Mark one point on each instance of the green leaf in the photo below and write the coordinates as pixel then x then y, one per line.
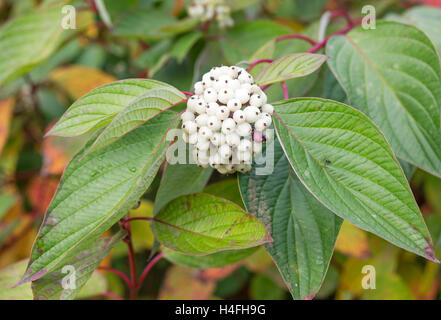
pixel 138 112
pixel 98 191
pixel 151 58
pixel 143 24
pixel 227 189
pixel 180 26
pixel 215 260
pixel 9 277
pixel 290 66
pixel 97 108
pixel 179 180
pixel 346 162
pixel 304 231
pixel 28 40
pixel 184 44
pixel 201 224
pixel 264 52
pixel 393 75
pixel 428 19
pixel 246 38
pixel 79 271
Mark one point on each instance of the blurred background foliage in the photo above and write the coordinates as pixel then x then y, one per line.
pixel 155 39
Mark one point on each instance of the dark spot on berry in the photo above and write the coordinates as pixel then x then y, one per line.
pixel 212 78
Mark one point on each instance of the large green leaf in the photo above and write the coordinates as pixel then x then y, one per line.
pixel 98 107
pixel 393 75
pixel 82 266
pixel 139 111
pixel 290 66
pixel 426 18
pixel 201 224
pixel 346 162
pixel 96 192
pixel 304 231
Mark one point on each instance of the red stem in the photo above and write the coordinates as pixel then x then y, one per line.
pixel 187 93
pixel 295 36
pixel 343 14
pixel 255 63
pixel 120 274
pixel 285 91
pixel 111 295
pixel 147 269
pixel 132 259
pixel 323 43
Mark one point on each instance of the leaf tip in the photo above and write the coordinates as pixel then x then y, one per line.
pixel 430 253
pixel 28 276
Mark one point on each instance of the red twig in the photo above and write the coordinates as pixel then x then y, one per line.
pixel 187 93
pixel 120 274
pixel 323 43
pixel 111 295
pixel 132 259
pixel 343 14
pixel 295 36
pixel 255 63
pixel 147 269
pixel 285 91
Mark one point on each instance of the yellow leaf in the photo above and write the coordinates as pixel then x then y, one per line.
pixel 142 235
pixel 352 241
pixel 79 80
pixel 6 107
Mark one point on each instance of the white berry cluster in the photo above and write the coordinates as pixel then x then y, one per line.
pixel 226 120
pixel 208 9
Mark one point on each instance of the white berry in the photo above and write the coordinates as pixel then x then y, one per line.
pixel 268 109
pixel 190 127
pixel 239 116
pixel 244 129
pixel 251 113
pixel 228 126
pixel 198 88
pixel 234 105
pixel 187 116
